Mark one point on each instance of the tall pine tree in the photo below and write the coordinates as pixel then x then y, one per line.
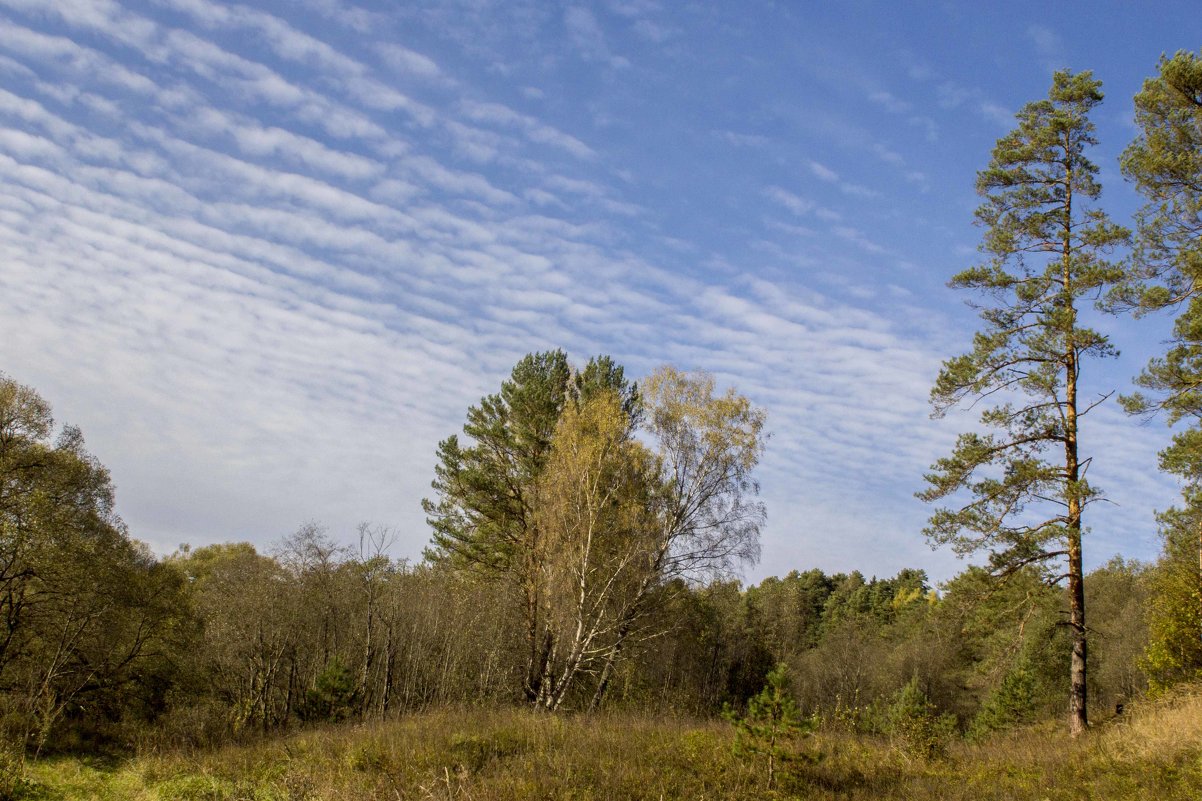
pixel 1023 477
pixel 1165 163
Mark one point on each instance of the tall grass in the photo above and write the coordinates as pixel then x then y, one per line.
pixel 485 755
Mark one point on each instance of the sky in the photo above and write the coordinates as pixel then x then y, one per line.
pixel 265 256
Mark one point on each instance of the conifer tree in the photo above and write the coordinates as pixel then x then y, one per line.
pixel 770 724
pixel 486 489
pixel 1023 477
pixel 1165 163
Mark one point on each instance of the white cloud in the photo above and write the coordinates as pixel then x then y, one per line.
pixel 798 205
pixel 498 114
pixel 995 113
pixel 824 173
pixel 408 61
pixel 742 139
pixel 587 36
pixel 1048 45
pixel 888 102
pixel 267 271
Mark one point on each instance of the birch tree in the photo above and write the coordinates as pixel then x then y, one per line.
pixel 706 513
pixel 595 511
pixel 487 485
pixel 591 496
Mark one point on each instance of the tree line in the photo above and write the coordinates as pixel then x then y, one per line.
pixel 586 528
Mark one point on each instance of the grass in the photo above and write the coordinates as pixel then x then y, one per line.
pixel 482 755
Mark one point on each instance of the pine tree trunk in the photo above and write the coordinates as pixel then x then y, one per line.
pixel 1078 718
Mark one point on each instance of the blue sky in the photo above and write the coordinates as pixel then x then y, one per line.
pixel 266 255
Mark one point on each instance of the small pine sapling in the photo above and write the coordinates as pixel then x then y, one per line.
pixel 771 724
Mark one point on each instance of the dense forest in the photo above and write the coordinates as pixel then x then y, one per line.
pixel 588 530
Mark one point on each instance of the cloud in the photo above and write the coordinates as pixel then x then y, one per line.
pixel 586 34
pixel 827 175
pixel 742 139
pixel 798 205
pixel 951 94
pixel 888 102
pixel 857 238
pixel 267 271
pixel 408 61
pixel 995 113
pixel 497 114
pixel 1048 45
pixel 823 173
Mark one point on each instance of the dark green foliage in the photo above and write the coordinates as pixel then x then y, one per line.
pixel 481 517
pixel 792 609
pixel 921 731
pixel 1013 703
pixel 1002 628
pixel 332 697
pixel 878 601
pixel 770 725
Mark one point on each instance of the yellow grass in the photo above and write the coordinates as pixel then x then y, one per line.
pixel 487 755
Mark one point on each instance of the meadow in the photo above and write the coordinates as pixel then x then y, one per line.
pixel 1154 751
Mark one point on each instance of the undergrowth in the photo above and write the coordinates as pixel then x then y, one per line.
pixel 486 755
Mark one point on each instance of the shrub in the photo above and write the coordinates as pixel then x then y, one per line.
pixel 1011 704
pixel 333 695
pixel 916 725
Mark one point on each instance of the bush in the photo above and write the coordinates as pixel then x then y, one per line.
pixel 333 696
pixel 15 785
pixel 1011 704
pixel 916 725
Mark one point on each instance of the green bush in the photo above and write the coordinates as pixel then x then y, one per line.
pixel 1011 704
pixel 333 696
pixel 15 785
pixel 916 725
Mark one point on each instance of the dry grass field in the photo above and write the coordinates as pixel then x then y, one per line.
pixel 1154 752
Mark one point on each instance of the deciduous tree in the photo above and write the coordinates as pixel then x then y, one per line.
pixel 611 524
pixel 483 515
pixel 83 608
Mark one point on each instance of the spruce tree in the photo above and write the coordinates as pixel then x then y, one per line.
pixel 1021 481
